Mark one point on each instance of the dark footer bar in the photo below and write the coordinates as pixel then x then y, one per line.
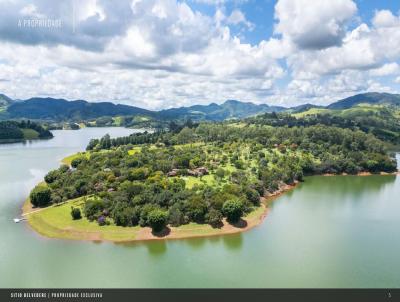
pixel 204 295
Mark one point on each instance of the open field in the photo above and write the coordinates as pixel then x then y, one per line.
pixel 68 160
pixel 30 133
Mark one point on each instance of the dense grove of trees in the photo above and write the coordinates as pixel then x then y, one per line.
pixel 382 123
pixel 244 163
pixel 12 129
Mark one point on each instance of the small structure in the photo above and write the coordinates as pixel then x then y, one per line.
pixel 198 172
pixel 17 220
pixel 98 187
pixel 173 173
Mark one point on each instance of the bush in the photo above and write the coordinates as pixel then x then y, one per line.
pixel 233 210
pixel 40 196
pixel 101 220
pixel 76 213
pixel 157 219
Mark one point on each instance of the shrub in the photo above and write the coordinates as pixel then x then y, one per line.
pixel 76 213
pixel 101 220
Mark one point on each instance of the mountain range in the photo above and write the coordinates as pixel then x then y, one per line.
pixel 63 110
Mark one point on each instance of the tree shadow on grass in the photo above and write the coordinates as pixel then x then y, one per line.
pixel 241 223
pixel 218 225
pixel 163 233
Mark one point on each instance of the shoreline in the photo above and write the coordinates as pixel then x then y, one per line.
pixel 360 174
pixel 138 234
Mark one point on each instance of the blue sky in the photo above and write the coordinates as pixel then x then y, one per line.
pixel 167 53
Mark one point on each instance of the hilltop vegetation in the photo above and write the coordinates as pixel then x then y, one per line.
pixel 371 98
pixel 204 174
pixel 379 120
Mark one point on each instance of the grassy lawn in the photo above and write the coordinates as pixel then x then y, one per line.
pixel 56 222
pixel 191 181
pixel 312 111
pixel 134 150
pixel 30 133
pixel 189 145
pixel 138 149
pixel 67 160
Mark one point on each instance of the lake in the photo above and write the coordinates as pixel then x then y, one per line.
pixel 338 231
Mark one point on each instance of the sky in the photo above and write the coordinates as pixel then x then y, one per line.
pixel 158 54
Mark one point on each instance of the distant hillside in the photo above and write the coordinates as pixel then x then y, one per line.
pixel 373 98
pixel 214 112
pixel 5 100
pixel 303 107
pixel 62 110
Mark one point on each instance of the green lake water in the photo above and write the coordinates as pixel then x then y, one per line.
pixel 328 232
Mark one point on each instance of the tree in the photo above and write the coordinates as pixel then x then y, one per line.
pixel 93 208
pixel 185 136
pixel 77 161
pixel 196 208
pixel 176 217
pixel 51 176
pixel 157 219
pixel 76 213
pixel 220 173
pixel 233 210
pixel 40 196
pixel 214 218
pixel 253 196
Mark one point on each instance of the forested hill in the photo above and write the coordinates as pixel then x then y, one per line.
pixel 371 98
pixel 16 131
pixel 63 110
pixel 60 109
pixel 5 100
pixel 214 112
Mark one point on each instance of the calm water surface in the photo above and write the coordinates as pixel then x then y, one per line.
pixel 329 232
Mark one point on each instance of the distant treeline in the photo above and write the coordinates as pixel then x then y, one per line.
pixel 141 138
pixel 13 130
pixel 382 124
